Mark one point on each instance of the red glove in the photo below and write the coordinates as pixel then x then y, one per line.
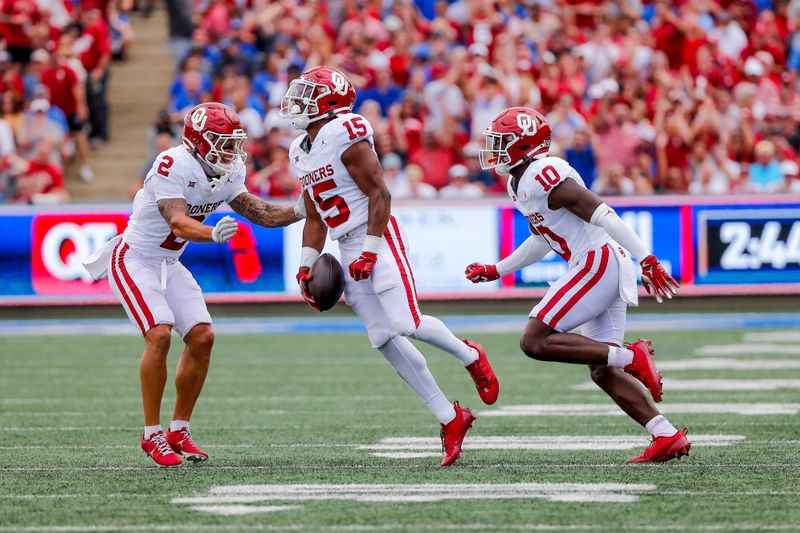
pixel 303 277
pixel 362 267
pixel 654 276
pixel 479 273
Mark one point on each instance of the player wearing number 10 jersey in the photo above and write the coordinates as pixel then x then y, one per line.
pixel 567 218
pixel 185 185
pixel 346 198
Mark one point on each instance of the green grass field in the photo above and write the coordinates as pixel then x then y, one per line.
pixel 293 410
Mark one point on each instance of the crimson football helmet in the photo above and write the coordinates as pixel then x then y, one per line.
pixel 213 134
pixel 319 93
pixel 515 136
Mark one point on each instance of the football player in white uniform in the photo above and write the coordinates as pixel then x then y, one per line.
pixel 567 218
pixel 185 184
pixel 346 198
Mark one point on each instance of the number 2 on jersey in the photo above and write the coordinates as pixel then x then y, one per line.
pixel 355 127
pixel 163 168
pixel 548 177
pixel 329 203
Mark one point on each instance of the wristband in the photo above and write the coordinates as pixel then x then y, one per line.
pixel 308 256
pixel 372 244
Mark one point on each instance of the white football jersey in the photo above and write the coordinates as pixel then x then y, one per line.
pixel 175 174
pixel 318 165
pixel 566 233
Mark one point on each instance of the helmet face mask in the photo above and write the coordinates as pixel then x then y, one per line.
pixel 226 153
pixel 320 93
pixel 495 155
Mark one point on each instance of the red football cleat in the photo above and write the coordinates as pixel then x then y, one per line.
pixel 644 368
pixel 181 441
pixel 483 375
pixel 158 449
pixel 665 448
pixel 453 434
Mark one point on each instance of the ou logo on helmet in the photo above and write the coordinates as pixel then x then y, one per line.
pixel 526 123
pixel 199 119
pixel 340 84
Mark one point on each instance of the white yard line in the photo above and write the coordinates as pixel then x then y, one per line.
pixel 609 409
pixel 122 496
pixel 371 466
pixel 208 399
pixel 220 498
pixel 792 336
pixel 748 349
pixel 672 384
pixel 714 363
pixel 238 510
pixel 415 445
pixel 395 527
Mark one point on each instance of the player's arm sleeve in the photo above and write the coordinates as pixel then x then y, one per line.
pixel 606 218
pixel 530 251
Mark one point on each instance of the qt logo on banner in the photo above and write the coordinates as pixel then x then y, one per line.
pixel 61 242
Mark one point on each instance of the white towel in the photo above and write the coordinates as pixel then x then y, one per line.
pixel 627 275
pixel 97 263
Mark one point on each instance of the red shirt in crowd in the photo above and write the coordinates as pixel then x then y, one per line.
pixel 101 44
pixel 435 162
pixel 61 81
pixel 14 33
pixel 670 40
pixel 48 176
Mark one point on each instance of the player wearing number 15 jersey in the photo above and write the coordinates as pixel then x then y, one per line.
pixel 567 218
pixel 346 198
pixel 186 184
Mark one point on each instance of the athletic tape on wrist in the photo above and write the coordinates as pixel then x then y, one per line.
pixel 372 244
pixel 308 256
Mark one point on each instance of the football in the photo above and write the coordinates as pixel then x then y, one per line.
pixel 328 283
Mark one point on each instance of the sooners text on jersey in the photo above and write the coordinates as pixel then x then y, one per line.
pixel 318 166
pixel 174 174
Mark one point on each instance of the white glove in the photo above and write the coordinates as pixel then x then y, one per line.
pixel 225 229
pixel 300 206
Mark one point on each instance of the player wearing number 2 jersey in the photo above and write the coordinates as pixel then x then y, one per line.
pixel 346 198
pixel 185 185
pixel 567 218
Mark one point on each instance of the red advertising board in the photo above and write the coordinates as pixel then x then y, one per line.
pixel 59 241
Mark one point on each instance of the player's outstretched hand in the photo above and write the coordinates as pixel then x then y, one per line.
pixel 362 267
pixel 480 273
pixel 303 277
pixel 656 280
pixel 225 229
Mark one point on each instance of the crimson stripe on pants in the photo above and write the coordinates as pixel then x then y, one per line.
pixel 587 267
pixel 404 276
pixel 580 293
pixel 136 292
pixel 396 228
pixel 127 301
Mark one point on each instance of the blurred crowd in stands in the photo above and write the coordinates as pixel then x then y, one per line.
pixel 54 68
pixel 693 96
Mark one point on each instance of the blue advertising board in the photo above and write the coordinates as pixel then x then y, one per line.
pixel 731 245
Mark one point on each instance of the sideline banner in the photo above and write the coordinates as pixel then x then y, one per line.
pixel 725 245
